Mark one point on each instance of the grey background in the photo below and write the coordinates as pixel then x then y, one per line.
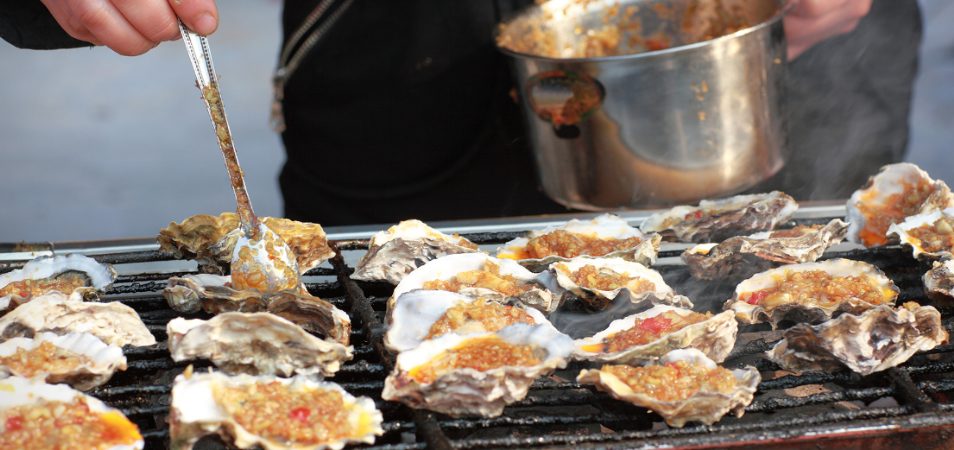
pixel 94 145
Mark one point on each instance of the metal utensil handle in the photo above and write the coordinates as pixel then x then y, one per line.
pixel 198 48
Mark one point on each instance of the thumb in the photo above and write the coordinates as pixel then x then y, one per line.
pixel 200 16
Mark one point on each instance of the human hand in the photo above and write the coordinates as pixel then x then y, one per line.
pixel 132 27
pixel 813 21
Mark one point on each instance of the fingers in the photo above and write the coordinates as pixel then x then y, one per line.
pixel 813 21
pixel 200 16
pixel 62 13
pixel 153 19
pixel 110 27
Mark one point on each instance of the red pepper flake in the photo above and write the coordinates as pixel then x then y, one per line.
pixel 24 294
pixel 696 215
pixel 14 423
pixel 655 325
pixel 301 413
pixel 756 297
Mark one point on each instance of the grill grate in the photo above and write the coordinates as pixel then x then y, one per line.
pixel 914 402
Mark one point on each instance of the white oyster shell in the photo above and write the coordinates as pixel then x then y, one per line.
pixel 195 412
pixel 807 310
pixel 661 295
pixel 876 340
pixel 714 337
pixel 703 406
pixel 396 252
pixel 98 276
pixel 716 220
pixel 606 226
pixel 255 343
pixel 469 392
pixel 540 296
pixel 939 281
pixel 902 231
pixel 101 360
pixel 114 323
pixel 416 311
pixel 18 391
pixel 743 256
pixel 879 197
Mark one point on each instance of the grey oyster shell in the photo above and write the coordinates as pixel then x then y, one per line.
pixel 255 343
pixel 99 362
pixel 717 220
pixel 703 406
pixel 114 323
pixel 600 299
pixel 469 392
pixel 394 253
pixel 743 256
pixel 606 226
pixel 97 275
pixel 714 337
pixel 876 340
pixel 939 281
pixel 902 232
pixel 807 310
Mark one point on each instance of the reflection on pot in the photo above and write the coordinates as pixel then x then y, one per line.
pixel 564 99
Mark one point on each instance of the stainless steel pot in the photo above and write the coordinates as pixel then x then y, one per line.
pixel 697 119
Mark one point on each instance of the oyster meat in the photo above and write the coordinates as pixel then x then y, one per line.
pixel 699 390
pixel 651 334
pixel 423 315
pixel 114 323
pixel 394 253
pixel 875 340
pixel 78 359
pixel 717 220
pixel 600 282
pixel 930 235
pixel 939 281
pixel 476 375
pixel 895 192
pixel 255 343
pixel 481 275
pixel 743 256
pixel 268 412
pixel 35 415
pixel 605 235
pixel 210 240
pixel 811 292
pixel 64 274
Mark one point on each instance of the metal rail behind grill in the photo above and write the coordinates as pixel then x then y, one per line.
pixel 910 405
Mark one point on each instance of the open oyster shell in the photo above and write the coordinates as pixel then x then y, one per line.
pixel 416 312
pixel 210 403
pixel 82 360
pixel 939 281
pixel 716 220
pixel 624 241
pixel 394 253
pixel 210 240
pixel 540 287
pixel 468 391
pixel 635 289
pixel 64 274
pixel 750 309
pixel 114 323
pixel 930 235
pixel 702 406
pixel 255 343
pixel 714 337
pixel 895 192
pixel 22 393
pixel 743 256
pixel 876 340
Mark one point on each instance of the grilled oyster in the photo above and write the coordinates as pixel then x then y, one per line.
pixel 63 274
pixel 600 282
pixel 649 335
pixel 263 262
pixel 422 315
pixel 480 275
pixel 897 191
pixel 939 281
pixel 255 343
pixel 876 340
pixel 36 415
pixel 811 292
pixel 271 413
pixel 698 389
pixel 743 256
pixel 717 220
pixel 114 323
pixel 476 374
pixel 394 253
pixel 210 240
pixel 605 235
pixel 78 359
pixel 930 235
